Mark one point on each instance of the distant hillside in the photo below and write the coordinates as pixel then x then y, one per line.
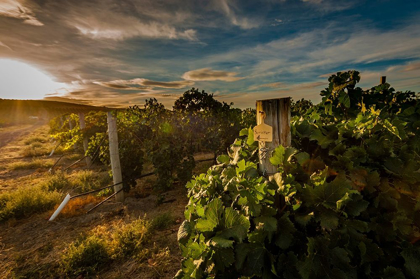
pixel 25 111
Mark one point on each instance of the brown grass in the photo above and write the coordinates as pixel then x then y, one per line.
pixel 34 164
pixel 77 206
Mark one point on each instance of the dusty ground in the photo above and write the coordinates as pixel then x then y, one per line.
pixel 12 133
pixel 33 244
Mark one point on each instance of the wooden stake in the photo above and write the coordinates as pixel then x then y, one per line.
pixel 277 115
pixel 383 79
pixel 85 139
pixel 71 128
pixel 115 157
pixel 70 123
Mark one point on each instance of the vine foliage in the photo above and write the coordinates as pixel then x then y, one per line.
pixel 350 186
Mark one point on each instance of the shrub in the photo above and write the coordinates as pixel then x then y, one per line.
pixel 103 245
pixel 35 139
pixel 32 151
pixel 85 256
pixel 26 201
pixel 130 238
pixel 162 221
pixel 56 181
pixel 342 204
pixel 87 180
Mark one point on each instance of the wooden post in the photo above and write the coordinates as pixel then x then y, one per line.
pixel 70 123
pixel 115 157
pixel 277 115
pixel 85 139
pixel 383 79
pixel 71 128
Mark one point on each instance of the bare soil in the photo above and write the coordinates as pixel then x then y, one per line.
pixel 12 133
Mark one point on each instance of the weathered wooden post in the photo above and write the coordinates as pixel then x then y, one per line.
pixel 274 113
pixel 273 123
pixel 383 79
pixel 115 157
pixel 70 123
pixel 85 139
pixel 71 128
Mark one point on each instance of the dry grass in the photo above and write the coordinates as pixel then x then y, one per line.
pixel 87 180
pixel 25 201
pixel 34 164
pixel 36 139
pixel 37 144
pixel 163 221
pixel 103 245
pixel 124 246
pixel 57 181
pixel 77 206
pixel 32 151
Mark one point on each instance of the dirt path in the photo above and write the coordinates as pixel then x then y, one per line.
pixel 9 135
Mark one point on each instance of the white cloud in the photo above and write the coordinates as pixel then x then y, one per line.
pixel 129 28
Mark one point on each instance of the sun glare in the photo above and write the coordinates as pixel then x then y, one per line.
pixel 22 81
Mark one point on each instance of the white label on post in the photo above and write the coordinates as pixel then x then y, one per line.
pixel 263 132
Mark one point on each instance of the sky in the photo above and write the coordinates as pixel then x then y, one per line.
pixel 121 52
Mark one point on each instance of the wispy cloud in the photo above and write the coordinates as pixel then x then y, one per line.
pixel 4 45
pixel 241 50
pixel 412 67
pixel 145 84
pixel 14 9
pixel 230 9
pixel 207 74
pixel 130 28
pixel 267 85
pixel 328 6
pixel 316 51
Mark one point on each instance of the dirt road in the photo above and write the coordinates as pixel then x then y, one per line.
pixel 12 133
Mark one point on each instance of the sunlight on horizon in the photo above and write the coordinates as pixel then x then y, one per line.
pixel 19 80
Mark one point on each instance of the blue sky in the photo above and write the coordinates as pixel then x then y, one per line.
pixel 113 52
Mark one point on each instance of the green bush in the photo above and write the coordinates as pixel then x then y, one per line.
pixel 85 256
pixel 56 181
pixel 26 201
pixel 104 245
pixel 342 204
pixel 87 180
pixel 162 221
pixel 130 238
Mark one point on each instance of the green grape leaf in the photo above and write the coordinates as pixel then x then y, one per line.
pixel 278 156
pixel 212 218
pixel 223 159
pixel 222 242
pixel 285 233
pixel 184 231
pixel 235 225
pixel 344 98
pixel 411 257
pixel 250 258
pixel 267 223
